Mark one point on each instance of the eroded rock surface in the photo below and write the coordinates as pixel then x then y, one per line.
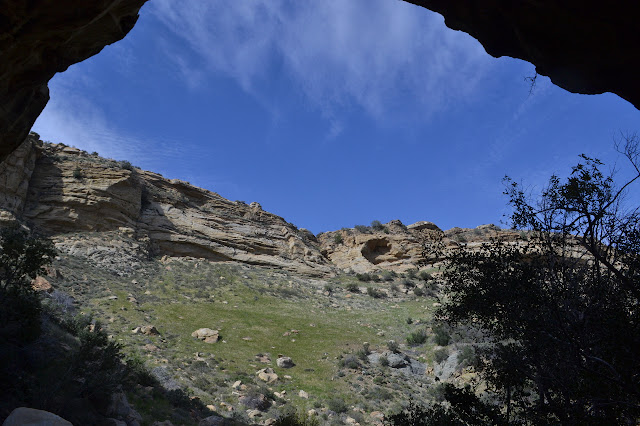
pixel 40 38
pixel 397 247
pixel 116 214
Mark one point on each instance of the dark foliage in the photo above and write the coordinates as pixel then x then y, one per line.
pixel 561 309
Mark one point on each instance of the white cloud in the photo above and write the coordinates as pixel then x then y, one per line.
pixel 378 55
pixel 76 120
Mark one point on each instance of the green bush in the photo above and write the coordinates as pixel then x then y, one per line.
pixel 353 288
pixel 364 277
pixel 467 357
pixel 408 283
pixel 337 239
pixel 362 228
pixel 393 346
pixel 378 226
pixel 417 338
pixel 425 276
pixel 337 405
pixel 77 173
pixel 418 291
pixel 349 361
pixel 388 275
pixel 384 361
pixel 126 165
pixel 375 293
pixel 441 335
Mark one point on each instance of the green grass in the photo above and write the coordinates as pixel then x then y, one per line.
pixel 261 304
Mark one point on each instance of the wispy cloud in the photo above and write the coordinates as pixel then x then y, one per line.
pixel 72 118
pixel 378 55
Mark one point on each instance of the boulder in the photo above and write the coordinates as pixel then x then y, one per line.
pixel 285 362
pixel 41 284
pixel 149 330
pixel 267 375
pixel 207 335
pixel 24 416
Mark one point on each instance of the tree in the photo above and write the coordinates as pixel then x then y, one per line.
pixel 22 257
pixel 562 309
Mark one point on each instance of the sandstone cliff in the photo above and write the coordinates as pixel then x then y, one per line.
pixel 396 247
pixel 102 208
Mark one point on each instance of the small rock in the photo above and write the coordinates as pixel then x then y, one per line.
pixel 254 413
pixel 303 394
pixel 236 384
pixel 285 362
pixel 312 413
pixel 41 284
pixel 112 298
pixel 267 375
pixel 149 330
pixel 207 335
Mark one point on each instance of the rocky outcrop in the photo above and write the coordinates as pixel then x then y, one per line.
pixel 584 47
pixel 118 215
pixel 396 247
pixel 40 38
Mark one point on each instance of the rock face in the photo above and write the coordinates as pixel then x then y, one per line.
pixel 42 37
pixel 107 210
pixel 584 47
pixel 397 247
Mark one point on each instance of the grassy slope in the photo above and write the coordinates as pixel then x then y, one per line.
pixel 259 304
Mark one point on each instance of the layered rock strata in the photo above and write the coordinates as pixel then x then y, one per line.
pixel 396 247
pixel 103 208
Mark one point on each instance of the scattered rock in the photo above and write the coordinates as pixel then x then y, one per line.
pixel 263 358
pixel 151 348
pixel 303 394
pixel 267 375
pixel 254 413
pixel 149 330
pixel 236 384
pixel 207 335
pixel 285 362
pixel 41 284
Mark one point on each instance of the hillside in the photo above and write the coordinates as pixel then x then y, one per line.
pixel 155 260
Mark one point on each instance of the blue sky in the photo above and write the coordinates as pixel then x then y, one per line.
pixel 329 113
